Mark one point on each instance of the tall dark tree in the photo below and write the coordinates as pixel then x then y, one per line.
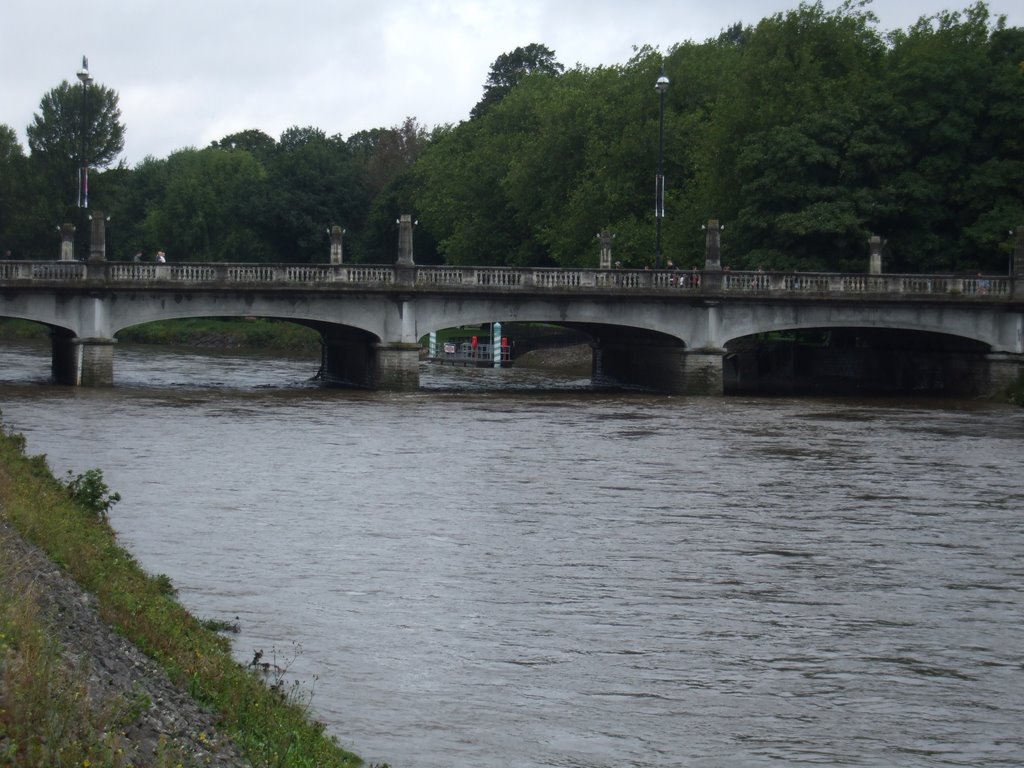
pixel 387 152
pixel 204 208
pixel 312 183
pixel 77 125
pixel 12 163
pixel 509 69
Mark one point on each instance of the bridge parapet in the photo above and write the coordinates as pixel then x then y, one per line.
pixel 371 276
pixel 897 285
pixel 42 270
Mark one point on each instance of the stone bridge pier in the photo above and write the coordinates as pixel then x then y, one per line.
pixel 82 362
pixel 365 363
pixel 662 366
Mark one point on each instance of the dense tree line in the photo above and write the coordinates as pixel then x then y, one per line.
pixel 803 134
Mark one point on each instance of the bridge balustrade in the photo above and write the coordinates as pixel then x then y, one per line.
pixel 131 272
pixel 440 276
pixel 560 278
pixel 507 278
pixel 42 270
pixel 190 273
pixel 499 277
pixel 367 274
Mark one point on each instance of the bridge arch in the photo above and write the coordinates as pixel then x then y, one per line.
pixel 632 345
pixel 750 319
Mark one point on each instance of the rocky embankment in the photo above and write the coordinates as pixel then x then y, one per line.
pixel 170 721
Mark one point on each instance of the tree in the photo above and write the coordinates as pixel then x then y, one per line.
pixel 957 90
pixel 76 126
pixel 201 208
pixel 387 152
pixel 312 183
pixel 786 152
pixel 12 162
pixel 252 140
pixel 509 69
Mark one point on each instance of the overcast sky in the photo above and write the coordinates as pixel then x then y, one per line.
pixel 192 71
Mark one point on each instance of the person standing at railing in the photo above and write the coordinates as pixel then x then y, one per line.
pixel 161 257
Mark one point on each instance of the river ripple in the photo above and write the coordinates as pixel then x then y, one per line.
pixel 475 575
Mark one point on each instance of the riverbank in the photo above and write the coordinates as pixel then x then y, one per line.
pixel 100 665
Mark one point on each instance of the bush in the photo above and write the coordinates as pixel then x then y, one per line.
pixel 89 491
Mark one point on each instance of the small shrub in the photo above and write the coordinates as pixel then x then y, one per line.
pixel 164 585
pixel 90 492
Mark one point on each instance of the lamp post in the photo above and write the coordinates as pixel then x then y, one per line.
pixel 661 85
pixel 83 171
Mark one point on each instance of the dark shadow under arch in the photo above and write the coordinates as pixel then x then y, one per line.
pixel 855 361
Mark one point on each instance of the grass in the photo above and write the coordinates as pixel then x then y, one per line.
pixel 271 725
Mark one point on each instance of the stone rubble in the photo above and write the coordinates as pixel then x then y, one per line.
pixel 116 666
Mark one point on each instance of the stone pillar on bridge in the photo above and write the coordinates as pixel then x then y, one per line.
pixel 713 246
pixel 397 367
pixel 336 234
pixel 79 362
pixel 405 225
pixel 67 242
pixel 712 278
pixel 98 237
pixel 605 237
pixel 1004 370
pixel 702 372
pixel 875 244
pixel 669 368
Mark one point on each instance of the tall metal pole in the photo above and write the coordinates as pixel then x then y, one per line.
pixel 659 182
pixel 83 170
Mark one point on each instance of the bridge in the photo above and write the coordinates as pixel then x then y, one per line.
pixel 667 330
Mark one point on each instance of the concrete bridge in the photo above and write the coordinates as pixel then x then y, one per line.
pixel 671 331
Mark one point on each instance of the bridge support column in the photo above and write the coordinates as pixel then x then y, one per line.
pixel 666 368
pixel 82 362
pixel 702 372
pixel 397 367
pixel 1004 368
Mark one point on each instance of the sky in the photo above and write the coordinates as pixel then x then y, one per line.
pixel 193 71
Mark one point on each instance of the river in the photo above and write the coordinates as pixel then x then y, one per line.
pixel 506 569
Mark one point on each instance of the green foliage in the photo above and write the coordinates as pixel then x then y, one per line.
pixel 91 493
pixel 312 183
pixel 510 69
pixel 77 119
pixel 205 211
